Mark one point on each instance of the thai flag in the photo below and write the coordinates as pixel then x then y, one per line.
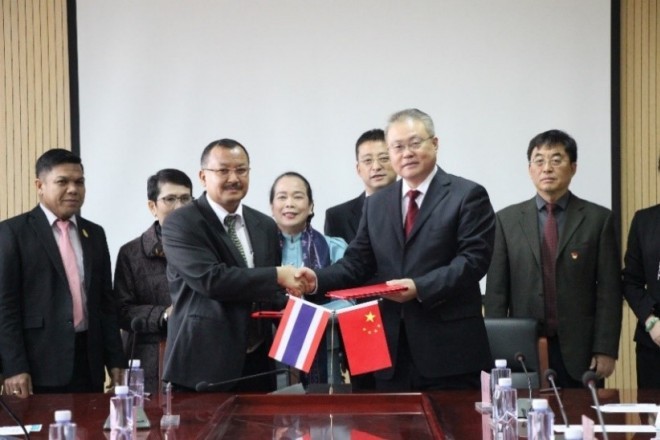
pixel 298 336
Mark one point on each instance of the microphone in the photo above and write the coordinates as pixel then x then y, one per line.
pixel 550 376
pixel 205 386
pixel 138 325
pixel 520 357
pixel 14 418
pixel 589 380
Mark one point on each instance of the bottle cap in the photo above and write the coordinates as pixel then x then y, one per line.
pixel 573 433
pixel 134 363
pixel 539 404
pixel 500 363
pixel 504 382
pixel 63 415
pixel 121 390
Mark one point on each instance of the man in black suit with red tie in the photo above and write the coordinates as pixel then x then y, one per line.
pixel 433 233
pixel 374 168
pixel 58 317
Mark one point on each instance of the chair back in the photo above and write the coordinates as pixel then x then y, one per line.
pixel 508 336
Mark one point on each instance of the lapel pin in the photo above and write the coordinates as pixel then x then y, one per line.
pixel 574 255
pixel 85 233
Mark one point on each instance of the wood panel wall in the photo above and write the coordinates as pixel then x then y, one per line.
pixel 34 94
pixel 640 136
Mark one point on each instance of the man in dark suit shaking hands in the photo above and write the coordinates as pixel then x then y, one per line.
pixel 58 317
pixel 556 260
pixel 433 233
pixel 221 265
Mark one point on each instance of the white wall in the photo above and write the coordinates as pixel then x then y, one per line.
pixel 297 81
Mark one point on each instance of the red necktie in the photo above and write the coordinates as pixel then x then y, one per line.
pixel 71 269
pixel 411 214
pixel 548 260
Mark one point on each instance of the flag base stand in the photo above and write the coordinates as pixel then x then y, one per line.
pixel 324 388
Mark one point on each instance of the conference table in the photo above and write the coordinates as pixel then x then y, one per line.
pixel 442 415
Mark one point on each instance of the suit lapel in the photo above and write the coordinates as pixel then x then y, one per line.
pixel 574 217
pixel 210 216
pixel 438 190
pixel 87 250
pixel 529 224
pixel 44 233
pixel 257 236
pixel 394 212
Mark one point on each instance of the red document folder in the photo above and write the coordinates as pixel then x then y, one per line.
pixel 365 291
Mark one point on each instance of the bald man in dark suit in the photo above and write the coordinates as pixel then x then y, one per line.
pixel 433 233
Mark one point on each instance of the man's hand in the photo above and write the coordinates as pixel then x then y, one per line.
pixel 655 332
pixel 19 385
pixel 405 295
pixel 603 365
pixel 296 281
pixel 116 378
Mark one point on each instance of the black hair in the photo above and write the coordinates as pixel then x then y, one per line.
pixel 551 138
pixel 222 143
pixel 372 135
pixel 53 158
pixel 167 175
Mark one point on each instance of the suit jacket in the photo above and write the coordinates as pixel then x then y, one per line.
pixel 212 291
pixel 343 220
pixel 446 254
pixel 588 278
pixel 36 315
pixel 642 267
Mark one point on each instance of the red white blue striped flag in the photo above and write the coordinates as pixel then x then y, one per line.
pixel 300 331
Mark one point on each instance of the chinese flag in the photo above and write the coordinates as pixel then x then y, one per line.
pixel 364 338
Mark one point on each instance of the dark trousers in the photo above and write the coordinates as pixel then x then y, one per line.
pixel 81 379
pixel 648 367
pixel 407 377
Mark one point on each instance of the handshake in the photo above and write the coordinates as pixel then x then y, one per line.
pixel 297 281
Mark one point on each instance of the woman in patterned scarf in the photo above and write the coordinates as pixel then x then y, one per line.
pixel 292 205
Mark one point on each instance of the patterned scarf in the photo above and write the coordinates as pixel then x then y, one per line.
pixel 315 250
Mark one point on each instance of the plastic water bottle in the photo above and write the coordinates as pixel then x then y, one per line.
pixel 540 421
pixel 500 370
pixel 136 387
pixel 573 433
pixel 505 411
pixel 122 415
pixel 63 428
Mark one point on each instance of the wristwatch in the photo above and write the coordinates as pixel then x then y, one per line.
pixel 650 323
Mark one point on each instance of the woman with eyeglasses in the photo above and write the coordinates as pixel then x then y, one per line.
pixel 140 280
pixel 292 205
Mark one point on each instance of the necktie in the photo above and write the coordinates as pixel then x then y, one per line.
pixel 548 260
pixel 254 331
pixel 71 269
pixel 411 214
pixel 230 222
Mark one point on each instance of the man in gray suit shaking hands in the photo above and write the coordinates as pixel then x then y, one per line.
pixel 433 233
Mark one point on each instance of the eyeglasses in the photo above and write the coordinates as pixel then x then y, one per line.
pixel 368 162
pixel 224 172
pixel 171 200
pixel 413 145
pixel 555 161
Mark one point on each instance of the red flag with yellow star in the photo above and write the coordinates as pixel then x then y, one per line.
pixel 364 338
